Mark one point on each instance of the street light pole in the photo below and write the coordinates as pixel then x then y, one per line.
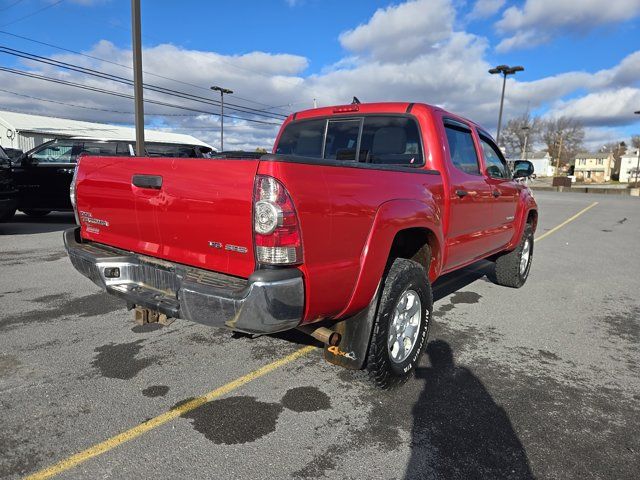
pixel 222 92
pixel 137 76
pixel 505 70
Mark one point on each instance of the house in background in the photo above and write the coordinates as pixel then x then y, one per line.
pixel 542 163
pixel 629 165
pixel 593 167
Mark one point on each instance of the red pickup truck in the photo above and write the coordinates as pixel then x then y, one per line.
pixel 339 233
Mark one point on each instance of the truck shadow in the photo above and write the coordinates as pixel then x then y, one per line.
pixel 24 225
pixel 459 432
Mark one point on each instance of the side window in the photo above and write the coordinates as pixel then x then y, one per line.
pixel 391 141
pixel 462 150
pixel 342 140
pixel 302 138
pixel 58 152
pixel 122 149
pixel 105 149
pixel 496 166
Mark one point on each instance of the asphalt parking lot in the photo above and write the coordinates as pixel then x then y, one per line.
pixel 540 382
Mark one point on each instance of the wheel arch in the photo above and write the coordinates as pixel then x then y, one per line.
pixel 401 229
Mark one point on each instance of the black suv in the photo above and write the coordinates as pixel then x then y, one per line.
pixel 43 175
pixel 8 193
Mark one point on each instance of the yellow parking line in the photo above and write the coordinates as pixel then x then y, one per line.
pixel 568 220
pixel 163 418
pixel 175 412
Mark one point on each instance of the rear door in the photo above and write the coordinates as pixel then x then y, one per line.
pixel 469 195
pixel 504 190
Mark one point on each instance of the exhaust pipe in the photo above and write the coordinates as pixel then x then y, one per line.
pixel 322 334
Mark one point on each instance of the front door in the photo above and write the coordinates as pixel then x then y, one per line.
pixel 505 192
pixel 44 176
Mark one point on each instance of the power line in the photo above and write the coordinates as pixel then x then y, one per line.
pixel 32 14
pixel 116 78
pixel 11 5
pixel 128 67
pixel 96 108
pixel 123 95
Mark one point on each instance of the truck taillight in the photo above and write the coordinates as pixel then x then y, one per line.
pixel 72 191
pixel 275 223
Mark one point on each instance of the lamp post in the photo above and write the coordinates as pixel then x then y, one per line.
pixel 222 92
pixel 505 70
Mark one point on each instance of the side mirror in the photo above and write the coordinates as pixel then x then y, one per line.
pixel 522 169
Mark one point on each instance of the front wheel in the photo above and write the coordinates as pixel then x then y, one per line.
pixel 512 268
pixel 402 324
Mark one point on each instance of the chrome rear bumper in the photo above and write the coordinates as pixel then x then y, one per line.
pixel 268 301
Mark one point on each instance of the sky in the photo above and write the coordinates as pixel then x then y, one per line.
pixel 581 59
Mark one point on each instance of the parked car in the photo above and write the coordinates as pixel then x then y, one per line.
pixel 8 192
pixel 43 174
pixel 340 233
pixel 13 153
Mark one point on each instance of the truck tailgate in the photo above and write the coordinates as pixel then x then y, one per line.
pixel 192 211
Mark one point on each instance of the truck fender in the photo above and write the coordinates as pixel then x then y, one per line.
pixel 391 217
pixel 526 204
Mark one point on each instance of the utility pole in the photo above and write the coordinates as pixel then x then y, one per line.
pixel 136 44
pixel 222 92
pixel 504 70
pixel 638 163
pixel 559 155
pixel 526 138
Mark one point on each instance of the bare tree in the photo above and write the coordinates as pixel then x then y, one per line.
pixel 563 137
pixel 520 133
pixel 635 141
pixel 617 149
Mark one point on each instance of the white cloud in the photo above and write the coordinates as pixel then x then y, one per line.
pixel 486 8
pixel 401 32
pixel 450 71
pixel 537 21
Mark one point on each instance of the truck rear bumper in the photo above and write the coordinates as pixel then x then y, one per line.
pixel 268 301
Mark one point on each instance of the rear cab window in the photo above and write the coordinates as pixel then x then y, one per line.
pixel 375 139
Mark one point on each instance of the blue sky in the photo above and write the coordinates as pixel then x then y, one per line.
pixel 435 51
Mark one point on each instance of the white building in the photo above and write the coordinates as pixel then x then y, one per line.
pixel 542 163
pixel 24 131
pixel 628 166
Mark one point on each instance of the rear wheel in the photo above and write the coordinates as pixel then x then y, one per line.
pixel 512 268
pixel 36 213
pixel 402 324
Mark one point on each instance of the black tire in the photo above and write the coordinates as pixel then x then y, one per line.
pixel 36 213
pixel 7 215
pixel 508 269
pixel 404 276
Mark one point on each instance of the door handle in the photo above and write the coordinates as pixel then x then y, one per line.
pixel 147 181
pixel 496 193
pixel 462 193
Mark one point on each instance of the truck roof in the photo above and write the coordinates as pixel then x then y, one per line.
pixel 375 107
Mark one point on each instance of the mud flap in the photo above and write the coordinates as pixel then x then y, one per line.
pixel 356 335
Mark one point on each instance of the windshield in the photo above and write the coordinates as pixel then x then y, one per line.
pixel 379 139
